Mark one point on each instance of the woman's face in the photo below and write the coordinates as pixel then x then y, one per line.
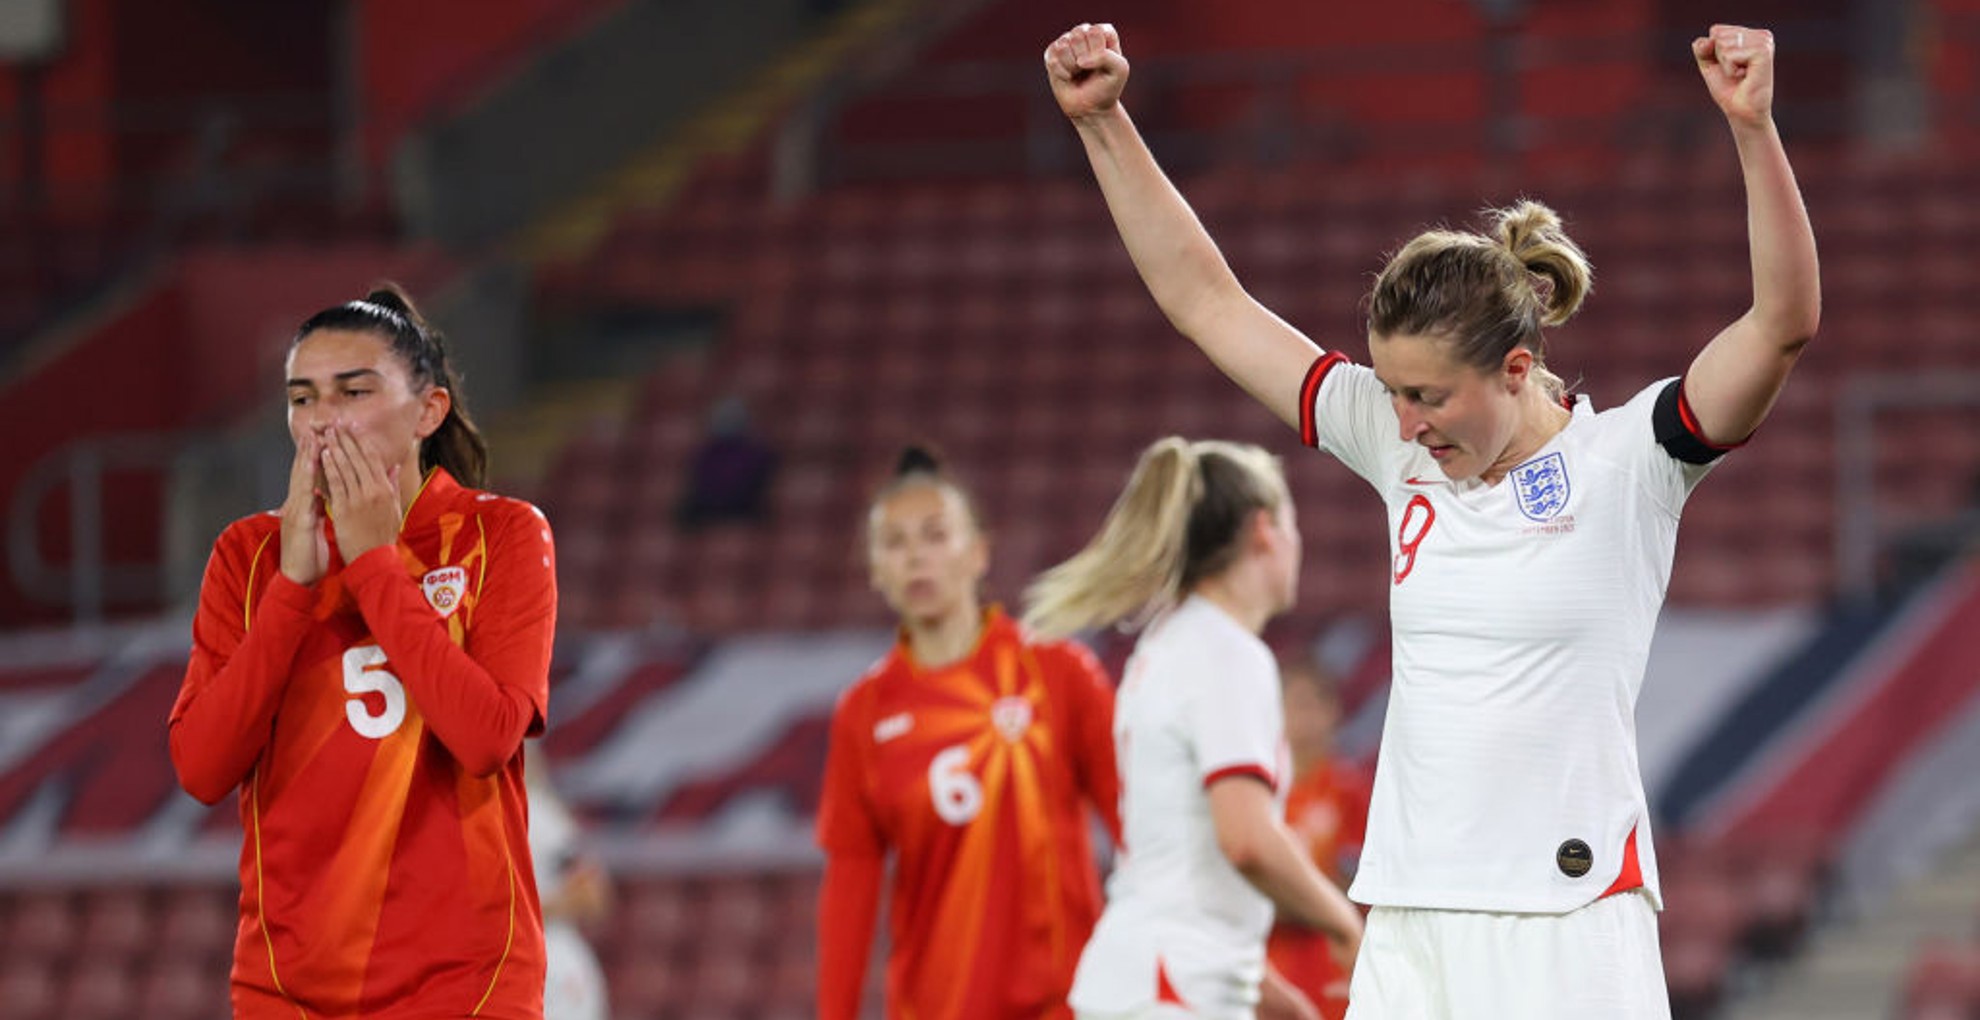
pixel 925 553
pixel 356 381
pixel 1465 417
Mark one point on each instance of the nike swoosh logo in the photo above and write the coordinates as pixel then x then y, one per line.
pixel 1413 480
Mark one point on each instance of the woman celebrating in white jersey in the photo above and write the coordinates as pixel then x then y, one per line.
pixel 1203 540
pixel 1509 857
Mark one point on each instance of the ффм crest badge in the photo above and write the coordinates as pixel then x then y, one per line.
pixel 1012 717
pixel 444 588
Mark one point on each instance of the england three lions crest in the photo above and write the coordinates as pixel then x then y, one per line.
pixel 444 588
pixel 1542 487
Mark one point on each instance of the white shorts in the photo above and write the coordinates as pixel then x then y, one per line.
pixel 1151 1011
pixel 1599 961
pixel 574 986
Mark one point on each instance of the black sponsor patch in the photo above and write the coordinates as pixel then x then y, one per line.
pixel 1574 858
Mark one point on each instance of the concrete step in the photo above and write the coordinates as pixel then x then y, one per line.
pixel 525 441
pixel 1855 968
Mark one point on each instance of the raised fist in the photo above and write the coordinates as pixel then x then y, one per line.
pixel 1087 70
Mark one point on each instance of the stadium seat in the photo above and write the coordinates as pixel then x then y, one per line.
pixel 43 926
pixel 724 983
pixel 646 985
pixel 28 988
pixel 99 989
pixel 737 914
pixel 116 925
pixel 1943 984
pixel 182 989
pixel 197 924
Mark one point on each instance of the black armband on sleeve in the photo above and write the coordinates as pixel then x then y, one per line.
pixel 1677 430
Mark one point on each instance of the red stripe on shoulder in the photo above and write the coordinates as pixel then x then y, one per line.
pixel 1309 391
pixel 1690 421
pixel 1258 772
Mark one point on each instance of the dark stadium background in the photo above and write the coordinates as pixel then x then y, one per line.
pixel 864 223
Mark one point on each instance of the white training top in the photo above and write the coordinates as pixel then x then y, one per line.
pixel 1522 615
pixel 574 984
pixel 1199 702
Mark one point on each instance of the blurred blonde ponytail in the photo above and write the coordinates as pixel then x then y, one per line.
pixel 1177 522
pixel 1136 562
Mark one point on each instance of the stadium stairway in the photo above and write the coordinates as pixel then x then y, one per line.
pixel 531 436
pixel 1855 967
pixel 737 120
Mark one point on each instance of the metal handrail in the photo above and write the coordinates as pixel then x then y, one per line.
pixel 206 476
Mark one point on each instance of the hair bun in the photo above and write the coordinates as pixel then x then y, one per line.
pixel 393 298
pixel 917 460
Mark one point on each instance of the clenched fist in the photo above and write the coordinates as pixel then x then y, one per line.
pixel 1087 70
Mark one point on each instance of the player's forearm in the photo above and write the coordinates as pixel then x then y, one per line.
pixel 1787 285
pixel 480 720
pixel 1276 867
pixel 1174 254
pixel 1280 999
pixel 848 907
pixel 219 730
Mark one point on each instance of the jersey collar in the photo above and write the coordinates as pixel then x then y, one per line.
pixel 996 625
pixel 436 493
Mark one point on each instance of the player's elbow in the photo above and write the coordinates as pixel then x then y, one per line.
pixel 1244 851
pixel 486 746
pixel 1793 325
pixel 203 779
pixel 484 762
pixel 208 790
pixel 1796 333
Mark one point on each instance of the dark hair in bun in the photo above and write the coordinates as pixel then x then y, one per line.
pixel 920 464
pixel 916 460
pixel 389 314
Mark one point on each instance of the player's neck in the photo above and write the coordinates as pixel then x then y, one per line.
pixel 411 483
pixel 947 639
pixel 1234 592
pixel 1544 419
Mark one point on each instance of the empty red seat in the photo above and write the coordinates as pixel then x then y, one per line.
pixel 724 983
pixel 28 988
pixel 181 989
pixel 646 985
pixel 116 925
pixel 100 989
pixel 198 923
pixel 43 925
pixel 1943 984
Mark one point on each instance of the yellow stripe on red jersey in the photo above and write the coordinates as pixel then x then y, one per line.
pixel 975 776
pixel 384 873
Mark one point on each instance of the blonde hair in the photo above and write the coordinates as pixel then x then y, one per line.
pixel 1177 523
pixel 1485 295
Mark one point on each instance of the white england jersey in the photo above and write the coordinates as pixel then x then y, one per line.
pixel 574 983
pixel 1522 614
pixel 1199 702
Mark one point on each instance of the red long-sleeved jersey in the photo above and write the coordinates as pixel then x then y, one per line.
pixel 975 776
pixel 373 723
